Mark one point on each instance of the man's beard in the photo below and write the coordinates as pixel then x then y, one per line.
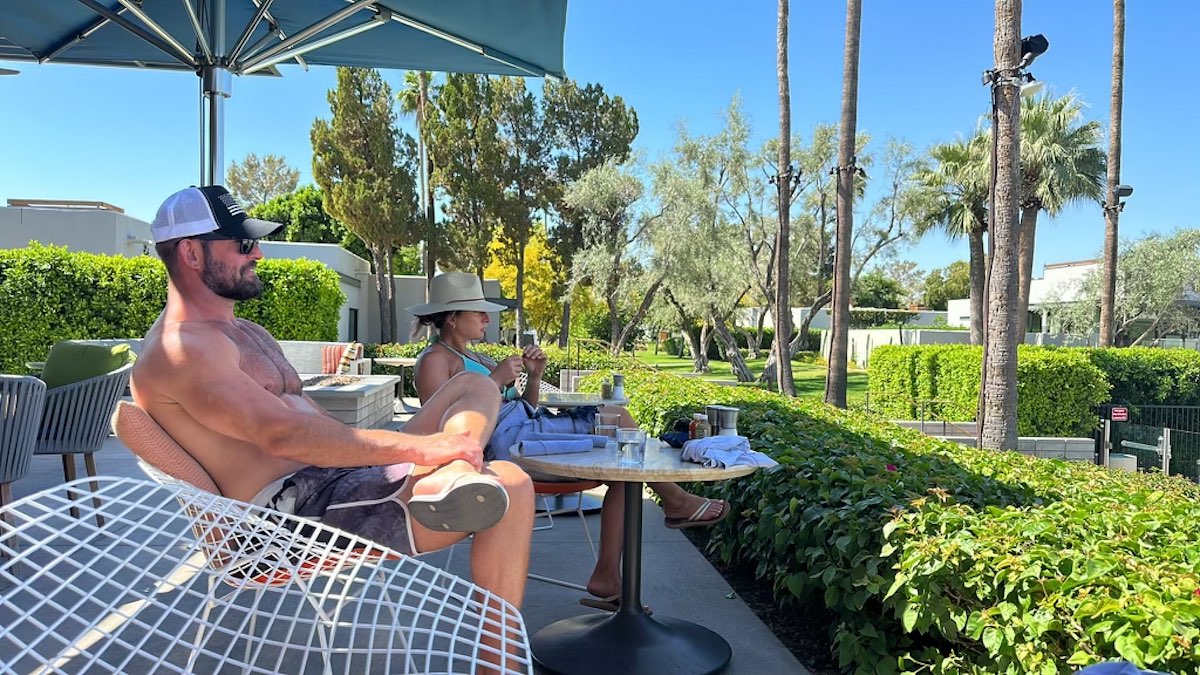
pixel 228 282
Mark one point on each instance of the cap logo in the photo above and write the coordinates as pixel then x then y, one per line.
pixel 235 209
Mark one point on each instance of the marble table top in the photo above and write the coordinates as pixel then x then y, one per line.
pixel 662 464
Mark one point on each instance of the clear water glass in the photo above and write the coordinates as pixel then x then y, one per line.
pixel 631 447
pixel 607 423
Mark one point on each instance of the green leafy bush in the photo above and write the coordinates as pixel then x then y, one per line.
pixel 937 558
pixel 48 293
pixel 301 300
pixel 1058 389
pixel 1150 376
pixel 879 318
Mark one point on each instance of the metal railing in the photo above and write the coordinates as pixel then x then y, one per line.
pixel 1162 437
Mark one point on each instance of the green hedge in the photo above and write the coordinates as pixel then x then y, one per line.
pixel 1150 376
pixel 49 294
pixel 880 318
pixel 937 558
pixel 1057 389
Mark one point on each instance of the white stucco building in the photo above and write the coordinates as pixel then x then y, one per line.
pixel 1060 282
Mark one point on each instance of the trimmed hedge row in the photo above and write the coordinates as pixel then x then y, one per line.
pixel 1150 376
pixel 49 294
pixel 938 558
pixel 1058 389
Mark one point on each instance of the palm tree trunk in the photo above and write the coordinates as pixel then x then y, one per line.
pixel 1025 239
pixel 998 426
pixel 783 304
pixel 978 270
pixel 1108 289
pixel 835 381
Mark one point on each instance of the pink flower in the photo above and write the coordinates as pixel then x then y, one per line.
pixel 892 467
pixel 1196 592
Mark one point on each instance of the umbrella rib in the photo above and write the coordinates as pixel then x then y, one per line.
pixel 158 30
pixel 316 44
pixel 494 54
pixel 254 60
pixel 250 28
pixel 140 32
pixel 200 38
pixel 72 41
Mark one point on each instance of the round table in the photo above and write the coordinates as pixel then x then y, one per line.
pixel 629 640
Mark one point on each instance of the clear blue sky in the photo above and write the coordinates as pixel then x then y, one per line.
pixel 130 137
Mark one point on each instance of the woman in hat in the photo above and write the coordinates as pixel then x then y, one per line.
pixel 458 312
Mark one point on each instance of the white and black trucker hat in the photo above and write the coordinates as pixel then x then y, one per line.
pixel 200 210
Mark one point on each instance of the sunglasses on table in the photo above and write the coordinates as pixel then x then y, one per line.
pixel 245 246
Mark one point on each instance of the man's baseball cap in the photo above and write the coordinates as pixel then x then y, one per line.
pixel 200 210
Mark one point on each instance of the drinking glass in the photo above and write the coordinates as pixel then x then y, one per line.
pixel 607 423
pixel 631 447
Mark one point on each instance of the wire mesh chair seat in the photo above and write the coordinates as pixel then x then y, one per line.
pixel 131 595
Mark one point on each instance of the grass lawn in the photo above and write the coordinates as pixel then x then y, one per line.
pixel 809 377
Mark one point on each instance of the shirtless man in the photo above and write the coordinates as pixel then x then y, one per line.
pixel 221 387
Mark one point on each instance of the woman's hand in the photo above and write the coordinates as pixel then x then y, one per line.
pixel 534 360
pixel 506 371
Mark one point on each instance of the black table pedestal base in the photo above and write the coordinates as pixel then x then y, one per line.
pixel 629 643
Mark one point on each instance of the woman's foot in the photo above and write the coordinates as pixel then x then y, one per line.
pixel 694 511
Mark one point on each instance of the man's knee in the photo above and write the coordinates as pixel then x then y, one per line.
pixel 479 388
pixel 515 481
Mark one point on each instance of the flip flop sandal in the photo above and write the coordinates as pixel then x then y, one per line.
pixel 695 519
pixel 469 503
pixel 610 604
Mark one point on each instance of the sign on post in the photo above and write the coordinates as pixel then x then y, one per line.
pixel 1119 414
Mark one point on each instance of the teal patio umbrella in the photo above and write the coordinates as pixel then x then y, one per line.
pixel 217 39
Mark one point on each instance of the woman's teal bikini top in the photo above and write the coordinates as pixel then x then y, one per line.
pixel 473 365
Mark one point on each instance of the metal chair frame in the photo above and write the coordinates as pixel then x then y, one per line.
pixel 22 399
pixel 76 419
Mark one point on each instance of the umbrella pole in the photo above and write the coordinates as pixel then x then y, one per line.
pixel 215 84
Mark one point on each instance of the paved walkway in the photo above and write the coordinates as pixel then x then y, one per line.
pixel 677 580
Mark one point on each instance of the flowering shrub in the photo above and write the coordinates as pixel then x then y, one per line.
pixel 937 558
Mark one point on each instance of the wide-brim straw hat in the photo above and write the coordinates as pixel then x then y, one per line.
pixel 455 292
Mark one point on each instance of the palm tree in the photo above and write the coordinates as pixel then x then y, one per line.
pixel 959 184
pixel 835 380
pixel 783 183
pixel 415 100
pixel 998 410
pixel 1061 162
pixel 1108 289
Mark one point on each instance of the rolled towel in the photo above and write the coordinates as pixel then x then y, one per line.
pixel 539 448
pixel 594 439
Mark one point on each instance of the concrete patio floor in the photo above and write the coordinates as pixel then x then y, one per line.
pixel 677 580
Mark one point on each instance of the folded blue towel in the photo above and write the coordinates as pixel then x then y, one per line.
pixel 595 440
pixel 538 448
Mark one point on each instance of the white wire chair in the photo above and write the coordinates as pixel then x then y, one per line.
pixel 126 596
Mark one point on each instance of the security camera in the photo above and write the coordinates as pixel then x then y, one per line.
pixel 1122 191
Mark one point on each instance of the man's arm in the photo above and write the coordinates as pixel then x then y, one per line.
pixel 207 382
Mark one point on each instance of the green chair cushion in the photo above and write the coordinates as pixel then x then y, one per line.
pixel 71 361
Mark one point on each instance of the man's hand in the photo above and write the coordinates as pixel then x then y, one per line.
pixel 442 448
pixel 534 360
pixel 506 371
